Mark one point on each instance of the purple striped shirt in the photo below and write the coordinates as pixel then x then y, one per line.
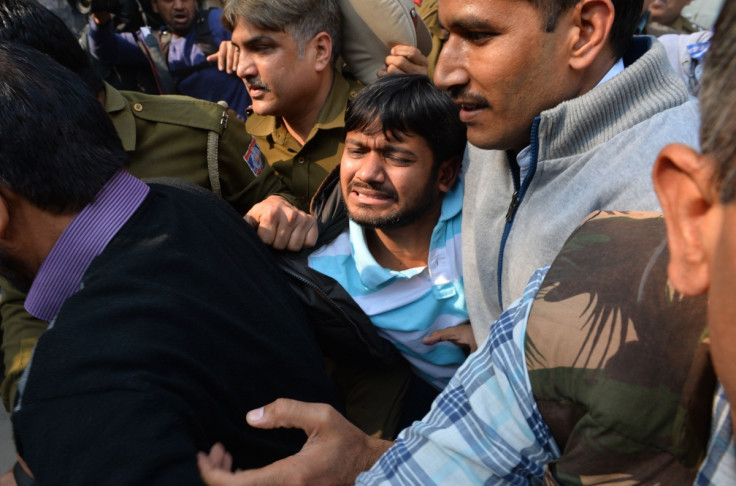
pixel 86 237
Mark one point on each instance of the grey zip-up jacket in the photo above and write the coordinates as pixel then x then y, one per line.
pixel 594 152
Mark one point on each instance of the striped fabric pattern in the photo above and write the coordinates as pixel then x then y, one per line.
pixel 85 238
pixel 410 304
pixel 719 467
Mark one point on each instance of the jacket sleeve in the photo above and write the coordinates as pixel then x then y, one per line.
pixel 243 182
pixel 109 47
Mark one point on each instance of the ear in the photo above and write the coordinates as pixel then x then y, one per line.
pixel 592 21
pixel 322 48
pixel 682 180
pixel 448 173
pixel 154 6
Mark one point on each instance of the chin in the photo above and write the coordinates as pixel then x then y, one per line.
pixel 264 109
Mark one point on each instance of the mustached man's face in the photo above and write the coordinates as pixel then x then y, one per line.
pixel 280 80
pixel 502 68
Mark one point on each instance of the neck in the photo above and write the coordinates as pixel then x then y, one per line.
pixel 300 124
pixel 597 71
pixel 34 232
pixel 403 248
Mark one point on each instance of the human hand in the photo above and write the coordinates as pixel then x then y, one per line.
pixel 335 452
pixel 101 18
pixel 281 225
pixel 8 479
pixel 460 335
pixel 226 57
pixel 405 59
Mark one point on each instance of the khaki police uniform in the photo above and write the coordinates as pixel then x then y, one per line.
pixel 428 11
pixel 164 136
pixel 168 136
pixel 303 168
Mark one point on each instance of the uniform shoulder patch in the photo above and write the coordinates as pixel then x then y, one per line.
pixel 253 158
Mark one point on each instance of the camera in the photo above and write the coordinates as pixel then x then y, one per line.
pixel 129 15
pixel 92 6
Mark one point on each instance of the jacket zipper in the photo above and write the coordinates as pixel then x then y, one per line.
pixel 516 199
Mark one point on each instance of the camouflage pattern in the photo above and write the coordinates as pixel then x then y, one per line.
pixel 618 361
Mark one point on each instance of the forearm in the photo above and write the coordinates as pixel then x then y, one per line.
pixel 109 47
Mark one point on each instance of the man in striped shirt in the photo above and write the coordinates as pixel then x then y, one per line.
pixel 399 255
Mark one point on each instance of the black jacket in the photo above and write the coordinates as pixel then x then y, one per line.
pixel 344 332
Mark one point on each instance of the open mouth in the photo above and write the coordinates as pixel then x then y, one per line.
pixel 369 196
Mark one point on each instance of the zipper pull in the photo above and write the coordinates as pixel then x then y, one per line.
pixel 512 207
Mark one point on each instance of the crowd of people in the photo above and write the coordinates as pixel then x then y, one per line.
pixel 496 248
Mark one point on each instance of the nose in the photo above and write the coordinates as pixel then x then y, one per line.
pixel 371 168
pixel 179 4
pixel 450 71
pixel 246 68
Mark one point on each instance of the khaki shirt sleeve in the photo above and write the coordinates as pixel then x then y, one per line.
pixel 20 333
pixel 240 185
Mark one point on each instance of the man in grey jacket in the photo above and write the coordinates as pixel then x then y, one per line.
pixel 569 124
pixel 565 115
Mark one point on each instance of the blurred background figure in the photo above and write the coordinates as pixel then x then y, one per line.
pixel 174 52
pixel 666 18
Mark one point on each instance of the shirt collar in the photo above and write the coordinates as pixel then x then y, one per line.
pixel 122 118
pixel 84 239
pixel 331 115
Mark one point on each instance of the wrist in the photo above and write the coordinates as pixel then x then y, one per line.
pixel 373 450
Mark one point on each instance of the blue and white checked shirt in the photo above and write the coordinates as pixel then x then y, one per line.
pixel 719 467
pixel 485 427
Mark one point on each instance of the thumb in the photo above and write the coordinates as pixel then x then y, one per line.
pixel 289 414
pixel 253 222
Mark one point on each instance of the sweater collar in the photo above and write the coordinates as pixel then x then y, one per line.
pixel 614 106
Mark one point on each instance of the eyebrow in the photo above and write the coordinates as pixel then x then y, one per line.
pixel 258 39
pixel 469 24
pixel 388 147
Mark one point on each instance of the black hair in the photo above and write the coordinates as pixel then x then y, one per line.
pixel 58 147
pixel 718 103
pixel 627 16
pixel 30 23
pixel 409 104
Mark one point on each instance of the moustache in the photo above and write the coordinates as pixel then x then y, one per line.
pixel 356 185
pixel 256 83
pixel 463 96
